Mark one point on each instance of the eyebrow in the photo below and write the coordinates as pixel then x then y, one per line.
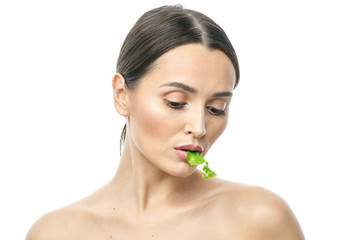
pixel 193 90
pixel 181 86
pixel 223 94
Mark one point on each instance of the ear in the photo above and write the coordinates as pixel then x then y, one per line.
pixel 120 95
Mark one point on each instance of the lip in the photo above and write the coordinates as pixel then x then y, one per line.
pixel 190 147
pixel 181 151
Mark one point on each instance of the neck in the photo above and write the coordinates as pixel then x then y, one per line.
pixel 144 185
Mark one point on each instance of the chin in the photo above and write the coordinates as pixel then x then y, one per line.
pixel 183 170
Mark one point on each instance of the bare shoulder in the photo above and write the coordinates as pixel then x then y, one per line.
pixel 271 216
pixel 59 224
pixel 259 213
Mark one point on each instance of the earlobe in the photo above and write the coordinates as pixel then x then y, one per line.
pixel 120 94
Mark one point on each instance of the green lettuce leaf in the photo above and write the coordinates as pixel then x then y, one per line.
pixel 194 158
pixel 208 172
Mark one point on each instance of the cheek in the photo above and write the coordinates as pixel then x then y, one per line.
pixel 215 128
pixel 150 123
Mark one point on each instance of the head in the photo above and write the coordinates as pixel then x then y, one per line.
pixel 162 33
pixel 163 29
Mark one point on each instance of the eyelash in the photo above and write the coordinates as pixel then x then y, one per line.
pixel 175 105
pixel 215 111
pixel 178 106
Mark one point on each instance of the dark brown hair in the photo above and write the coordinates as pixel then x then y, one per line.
pixel 162 29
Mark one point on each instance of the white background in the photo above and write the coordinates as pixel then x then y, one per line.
pixel 294 125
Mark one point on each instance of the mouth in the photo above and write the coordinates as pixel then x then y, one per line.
pixel 187 150
pixel 190 148
pixel 182 150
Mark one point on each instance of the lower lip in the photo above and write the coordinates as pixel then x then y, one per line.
pixel 181 153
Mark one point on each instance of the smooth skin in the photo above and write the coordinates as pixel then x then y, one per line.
pixel 155 194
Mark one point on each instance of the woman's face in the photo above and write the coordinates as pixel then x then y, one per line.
pixel 181 104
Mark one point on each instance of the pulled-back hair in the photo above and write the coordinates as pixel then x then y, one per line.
pixel 162 29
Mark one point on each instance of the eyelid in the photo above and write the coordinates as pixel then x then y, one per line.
pixel 175 105
pixel 176 96
pixel 216 112
pixel 219 104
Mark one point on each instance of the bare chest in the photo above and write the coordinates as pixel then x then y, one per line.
pixel 194 225
pixel 166 231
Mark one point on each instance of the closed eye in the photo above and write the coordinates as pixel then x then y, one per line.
pixel 215 111
pixel 175 105
pixel 181 105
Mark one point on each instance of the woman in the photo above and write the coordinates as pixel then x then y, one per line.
pixel 175 76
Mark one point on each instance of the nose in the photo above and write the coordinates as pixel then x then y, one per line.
pixel 196 124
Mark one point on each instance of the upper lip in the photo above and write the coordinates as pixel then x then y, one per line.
pixel 190 147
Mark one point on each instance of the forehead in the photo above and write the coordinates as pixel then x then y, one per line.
pixel 193 64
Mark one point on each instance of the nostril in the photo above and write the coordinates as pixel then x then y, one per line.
pixel 196 127
pixel 198 133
